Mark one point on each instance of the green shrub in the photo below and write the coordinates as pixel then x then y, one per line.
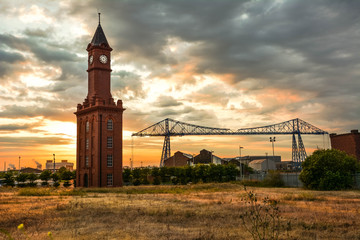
pixel 328 170
pixel 273 179
pixel 9 179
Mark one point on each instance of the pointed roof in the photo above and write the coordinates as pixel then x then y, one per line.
pixel 99 37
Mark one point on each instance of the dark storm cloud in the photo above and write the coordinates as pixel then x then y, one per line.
pixel 306 46
pixel 302 45
pixel 167 101
pixel 33 141
pixel 41 33
pixel 10 57
pixel 125 82
pixel 15 127
pixel 15 111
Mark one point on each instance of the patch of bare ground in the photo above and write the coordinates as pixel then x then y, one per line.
pixel 206 211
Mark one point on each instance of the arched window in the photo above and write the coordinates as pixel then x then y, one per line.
pixel 110 124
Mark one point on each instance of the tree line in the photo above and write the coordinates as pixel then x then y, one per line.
pixel 180 175
pixel 29 179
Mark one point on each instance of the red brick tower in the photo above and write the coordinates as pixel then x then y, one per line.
pixel 99 122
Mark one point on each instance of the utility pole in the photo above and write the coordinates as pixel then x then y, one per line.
pixel 131 164
pixel 19 163
pixel 54 161
pixel 272 140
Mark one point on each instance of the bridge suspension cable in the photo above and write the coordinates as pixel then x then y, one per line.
pixel 169 127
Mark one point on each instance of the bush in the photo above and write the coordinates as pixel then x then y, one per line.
pixel 328 170
pixel 67 184
pixel 9 179
pixel 127 175
pixel 32 177
pixel 21 178
pixel 273 179
pixel 45 177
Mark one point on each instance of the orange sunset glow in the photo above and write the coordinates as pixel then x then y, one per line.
pixel 226 66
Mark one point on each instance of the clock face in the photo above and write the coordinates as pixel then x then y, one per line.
pixel 103 59
pixel 91 59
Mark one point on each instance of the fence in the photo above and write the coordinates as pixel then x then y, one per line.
pixel 357 180
pixel 291 179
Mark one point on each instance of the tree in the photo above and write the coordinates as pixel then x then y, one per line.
pixel 9 179
pixel 62 169
pixel 45 177
pixel 127 175
pixel 21 179
pixel 55 177
pixel 32 177
pixel 155 173
pixel 66 176
pixel 328 170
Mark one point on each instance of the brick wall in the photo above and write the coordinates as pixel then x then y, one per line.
pixel 349 143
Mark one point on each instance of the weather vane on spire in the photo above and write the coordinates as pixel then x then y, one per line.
pixel 99 17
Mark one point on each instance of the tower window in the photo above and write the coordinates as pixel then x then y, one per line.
pixel 110 124
pixel 109 142
pixel 109 179
pixel 109 159
pixel 87 126
pixel 86 161
pixel 87 143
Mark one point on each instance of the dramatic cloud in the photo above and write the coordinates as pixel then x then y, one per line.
pixel 214 63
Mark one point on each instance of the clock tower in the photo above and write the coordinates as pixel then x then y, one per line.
pixel 99 122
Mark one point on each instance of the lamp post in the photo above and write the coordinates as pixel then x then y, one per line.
pixel 19 163
pixel 272 140
pixel 240 160
pixel 54 161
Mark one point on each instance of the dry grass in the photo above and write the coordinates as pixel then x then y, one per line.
pixel 205 211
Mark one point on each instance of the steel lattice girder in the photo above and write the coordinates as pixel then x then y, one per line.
pixel 170 127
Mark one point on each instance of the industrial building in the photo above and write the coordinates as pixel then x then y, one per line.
pixel 348 142
pixel 64 163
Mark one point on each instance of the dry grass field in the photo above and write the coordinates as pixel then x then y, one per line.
pixel 202 211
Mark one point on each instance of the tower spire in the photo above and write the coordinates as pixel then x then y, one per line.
pixel 99 17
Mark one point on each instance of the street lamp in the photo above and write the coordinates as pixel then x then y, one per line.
pixel 272 140
pixel 241 168
pixel 54 161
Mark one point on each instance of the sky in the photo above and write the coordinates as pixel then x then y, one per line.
pixel 229 64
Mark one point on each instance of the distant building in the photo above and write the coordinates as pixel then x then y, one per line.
pixel 207 157
pixel 179 159
pixel 262 165
pixel 182 159
pixel 58 165
pixel 284 165
pixel 247 159
pixel 348 142
pixel 31 170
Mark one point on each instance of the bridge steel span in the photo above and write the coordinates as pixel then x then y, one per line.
pixel 295 127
